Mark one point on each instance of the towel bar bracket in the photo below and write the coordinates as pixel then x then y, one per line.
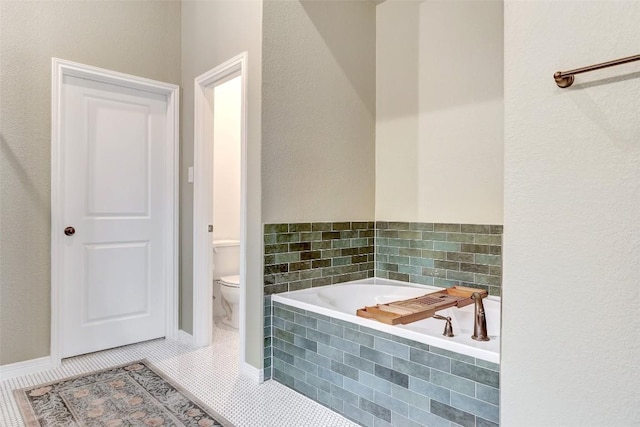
pixel 565 79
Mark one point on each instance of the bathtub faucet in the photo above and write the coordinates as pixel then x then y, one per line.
pixel 480 319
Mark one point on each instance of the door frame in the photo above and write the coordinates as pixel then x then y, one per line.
pixel 59 69
pixel 202 199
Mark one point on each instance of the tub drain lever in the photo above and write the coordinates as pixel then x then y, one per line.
pixel 448 328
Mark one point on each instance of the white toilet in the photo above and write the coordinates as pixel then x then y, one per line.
pixel 226 281
pixel 230 290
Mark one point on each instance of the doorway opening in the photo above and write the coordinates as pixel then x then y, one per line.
pixel 220 194
pixel 226 202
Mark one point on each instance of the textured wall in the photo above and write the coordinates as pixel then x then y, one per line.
pixel 439 122
pixel 570 308
pixel 318 111
pixel 213 32
pixel 140 38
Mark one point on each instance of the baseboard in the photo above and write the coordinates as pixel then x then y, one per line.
pixel 251 372
pixel 184 337
pixel 18 369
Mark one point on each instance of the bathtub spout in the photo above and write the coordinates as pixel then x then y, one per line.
pixel 480 319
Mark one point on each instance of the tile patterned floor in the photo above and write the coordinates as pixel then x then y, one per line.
pixel 210 373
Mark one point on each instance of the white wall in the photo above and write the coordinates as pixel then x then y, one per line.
pixel 213 32
pixel 318 118
pixel 571 292
pixel 227 99
pixel 439 122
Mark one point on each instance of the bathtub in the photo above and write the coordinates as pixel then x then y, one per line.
pixel 342 300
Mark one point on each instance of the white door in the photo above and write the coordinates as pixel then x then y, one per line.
pixel 113 178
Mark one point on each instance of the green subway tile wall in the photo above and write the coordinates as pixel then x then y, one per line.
pixel 441 255
pixel 305 255
pixel 268 336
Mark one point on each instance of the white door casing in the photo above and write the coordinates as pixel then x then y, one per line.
pixel 114 163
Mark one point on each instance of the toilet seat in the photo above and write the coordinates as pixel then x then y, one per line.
pixel 231 281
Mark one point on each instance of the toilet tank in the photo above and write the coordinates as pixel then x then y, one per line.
pixel 226 258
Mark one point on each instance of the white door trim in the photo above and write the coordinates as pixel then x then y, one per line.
pixel 202 196
pixel 59 69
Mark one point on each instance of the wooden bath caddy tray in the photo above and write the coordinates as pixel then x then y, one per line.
pixel 418 308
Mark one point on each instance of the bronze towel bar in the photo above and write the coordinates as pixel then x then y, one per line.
pixel 565 78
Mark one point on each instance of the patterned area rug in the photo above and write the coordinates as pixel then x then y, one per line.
pixel 135 394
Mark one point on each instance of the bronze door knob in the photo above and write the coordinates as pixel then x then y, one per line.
pixel 69 231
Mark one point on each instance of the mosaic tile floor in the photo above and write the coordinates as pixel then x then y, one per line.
pixel 210 373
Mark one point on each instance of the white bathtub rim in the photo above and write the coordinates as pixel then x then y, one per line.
pixel 381 281
pixel 488 351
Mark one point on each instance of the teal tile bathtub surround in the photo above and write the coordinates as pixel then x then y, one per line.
pixel 441 255
pixel 378 379
pixel 267 337
pixel 370 377
pixel 305 255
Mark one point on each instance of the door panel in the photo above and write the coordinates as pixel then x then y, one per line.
pixel 117 281
pixel 126 146
pixel 113 290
